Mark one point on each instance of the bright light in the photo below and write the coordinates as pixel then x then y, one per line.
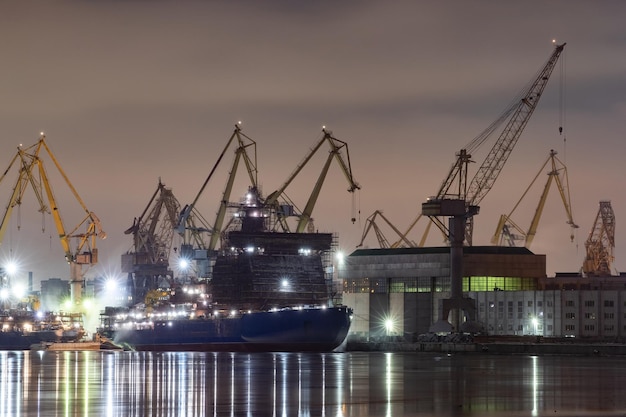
pixel 110 284
pixel 183 264
pixel 4 293
pixel 87 303
pixel 10 268
pixel 389 325
pixel 340 256
pixel 19 291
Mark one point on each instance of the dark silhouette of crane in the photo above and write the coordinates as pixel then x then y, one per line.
pixel 148 261
pixel 600 243
pixel 459 199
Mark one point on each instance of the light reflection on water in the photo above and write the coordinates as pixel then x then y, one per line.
pixel 290 384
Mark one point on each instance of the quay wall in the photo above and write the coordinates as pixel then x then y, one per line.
pixel 494 348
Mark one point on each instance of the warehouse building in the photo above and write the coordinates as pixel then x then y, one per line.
pixel 400 292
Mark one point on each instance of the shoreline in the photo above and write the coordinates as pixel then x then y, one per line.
pixel 493 348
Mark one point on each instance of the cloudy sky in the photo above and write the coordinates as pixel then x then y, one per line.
pixel 128 92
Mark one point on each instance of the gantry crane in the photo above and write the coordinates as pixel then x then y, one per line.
pixel 402 238
pixel 383 242
pixel 84 253
pixel 460 203
pixel 186 222
pixel 600 243
pixel 304 218
pixel 153 235
pixel 504 234
pixel 193 227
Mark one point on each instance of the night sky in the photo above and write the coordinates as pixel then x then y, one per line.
pixel 128 92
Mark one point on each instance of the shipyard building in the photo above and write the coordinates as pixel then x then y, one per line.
pixel 401 292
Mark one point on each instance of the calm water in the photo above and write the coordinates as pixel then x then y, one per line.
pixel 291 384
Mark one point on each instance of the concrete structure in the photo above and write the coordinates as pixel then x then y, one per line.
pixel 400 292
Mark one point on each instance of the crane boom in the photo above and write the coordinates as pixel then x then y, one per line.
pixel 494 162
pixel 336 146
pixel 24 178
pixel 85 251
pixel 558 174
pixel 517 115
pixel 186 222
pixel 251 169
pixel 382 240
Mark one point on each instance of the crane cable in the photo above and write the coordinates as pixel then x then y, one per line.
pixel 562 109
pixel 563 120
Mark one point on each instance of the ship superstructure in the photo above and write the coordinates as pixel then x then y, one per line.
pixel 260 269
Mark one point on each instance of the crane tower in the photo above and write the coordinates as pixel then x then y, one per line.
pixel 600 243
pixel 153 233
pixel 458 199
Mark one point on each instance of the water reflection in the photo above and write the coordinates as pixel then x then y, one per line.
pixel 291 384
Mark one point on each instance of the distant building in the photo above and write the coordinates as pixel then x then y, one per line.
pixel 53 292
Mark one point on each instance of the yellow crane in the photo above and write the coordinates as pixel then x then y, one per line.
pixel 304 218
pixel 191 232
pixel 84 253
pixel 383 242
pixel 504 234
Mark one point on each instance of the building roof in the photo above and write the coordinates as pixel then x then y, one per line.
pixel 486 250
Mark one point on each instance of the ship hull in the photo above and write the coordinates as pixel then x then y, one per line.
pixel 286 330
pixel 18 340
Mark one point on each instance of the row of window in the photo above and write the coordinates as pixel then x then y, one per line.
pixel 590 328
pixel 592 303
pixel 436 284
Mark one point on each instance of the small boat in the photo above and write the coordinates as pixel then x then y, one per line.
pixel 20 329
pixel 66 346
pixel 99 343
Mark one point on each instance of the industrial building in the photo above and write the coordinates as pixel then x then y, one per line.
pixel 400 292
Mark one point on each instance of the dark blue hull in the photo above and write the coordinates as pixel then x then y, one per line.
pixel 17 340
pixel 301 330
